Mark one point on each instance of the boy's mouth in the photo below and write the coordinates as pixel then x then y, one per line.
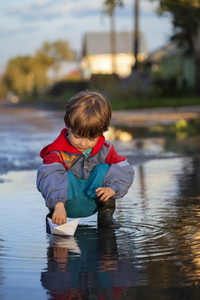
pixel 82 149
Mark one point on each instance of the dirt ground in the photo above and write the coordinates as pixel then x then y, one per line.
pixel 24 130
pixel 9 114
pixel 152 116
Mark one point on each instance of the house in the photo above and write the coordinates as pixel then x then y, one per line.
pixel 98 59
pixel 174 62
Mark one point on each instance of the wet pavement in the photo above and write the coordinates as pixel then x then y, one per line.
pixel 154 255
pixel 25 129
pixel 154 116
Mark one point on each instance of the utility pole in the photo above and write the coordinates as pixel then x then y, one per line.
pixel 113 41
pixel 136 33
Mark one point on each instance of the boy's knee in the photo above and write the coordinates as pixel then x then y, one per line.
pixel 101 169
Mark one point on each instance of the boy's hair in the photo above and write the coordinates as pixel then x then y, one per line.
pixel 88 114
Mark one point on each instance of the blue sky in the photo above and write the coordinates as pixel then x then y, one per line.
pixel 26 24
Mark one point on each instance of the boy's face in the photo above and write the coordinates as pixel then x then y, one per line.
pixel 81 143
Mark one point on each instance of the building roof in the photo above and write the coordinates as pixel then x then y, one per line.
pixel 99 43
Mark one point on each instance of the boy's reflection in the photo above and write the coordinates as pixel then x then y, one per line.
pixel 86 265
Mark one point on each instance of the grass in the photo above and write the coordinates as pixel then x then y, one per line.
pixel 123 104
pixel 117 102
pixel 58 102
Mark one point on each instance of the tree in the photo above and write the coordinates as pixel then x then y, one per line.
pixel 109 8
pixel 186 21
pixel 28 74
pixel 25 74
pixel 57 51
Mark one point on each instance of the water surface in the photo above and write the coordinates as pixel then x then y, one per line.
pixel 154 255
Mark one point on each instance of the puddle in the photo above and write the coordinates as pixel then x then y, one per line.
pixel 154 255
pixel 156 250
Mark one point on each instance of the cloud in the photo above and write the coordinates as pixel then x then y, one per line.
pixel 12 30
pixel 147 9
pixel 24 25
pixel 51 10
pixel 35 12
pixel 73 11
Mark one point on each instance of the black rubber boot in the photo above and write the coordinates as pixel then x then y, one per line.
pixel 49 215
pixel 105 214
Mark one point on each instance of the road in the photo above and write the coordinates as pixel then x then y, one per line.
pixel 152 116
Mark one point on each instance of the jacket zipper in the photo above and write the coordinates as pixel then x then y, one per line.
pixel 84 166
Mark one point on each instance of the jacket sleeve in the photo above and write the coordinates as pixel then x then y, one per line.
pixel 120 174
pixel 52 182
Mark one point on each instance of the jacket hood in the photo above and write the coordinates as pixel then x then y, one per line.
pixel 62 144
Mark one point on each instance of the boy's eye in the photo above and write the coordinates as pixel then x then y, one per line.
pixel 76 136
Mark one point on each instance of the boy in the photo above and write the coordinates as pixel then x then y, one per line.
pixel 81 172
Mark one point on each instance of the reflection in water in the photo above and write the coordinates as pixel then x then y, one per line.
pixel 91 270
pixel 173 247
pixel 1 262
pixel 155 255
pixel 189 178
pixel 142 182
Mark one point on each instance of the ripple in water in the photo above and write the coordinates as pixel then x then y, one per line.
pixel 159 242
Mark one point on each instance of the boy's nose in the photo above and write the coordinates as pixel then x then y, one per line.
pixel 83 142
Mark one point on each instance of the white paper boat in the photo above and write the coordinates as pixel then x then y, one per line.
pixel 65 229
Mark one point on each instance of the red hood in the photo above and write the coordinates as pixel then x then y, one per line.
pixel 62 144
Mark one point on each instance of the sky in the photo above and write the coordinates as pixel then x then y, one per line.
pixel 26 24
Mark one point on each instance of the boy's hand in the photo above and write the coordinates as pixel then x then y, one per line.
pixel 59 216
pixel 104 193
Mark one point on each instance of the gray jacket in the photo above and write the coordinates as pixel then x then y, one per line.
pixel 60 156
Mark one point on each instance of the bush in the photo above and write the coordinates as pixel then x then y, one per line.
pixel 65 86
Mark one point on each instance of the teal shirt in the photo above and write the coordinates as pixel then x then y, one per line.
pixel 87 153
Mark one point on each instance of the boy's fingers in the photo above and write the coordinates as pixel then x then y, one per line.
pixel 99 193
pixel 59 221
pixel 104 197
pixel 99 189
pixel 54 220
